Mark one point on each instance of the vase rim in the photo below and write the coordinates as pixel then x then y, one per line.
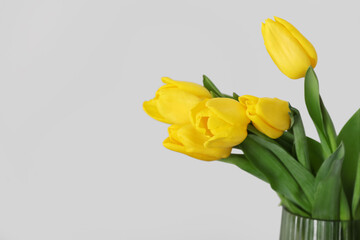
pixel 317 219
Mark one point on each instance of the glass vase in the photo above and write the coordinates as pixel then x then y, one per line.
pixel 294 227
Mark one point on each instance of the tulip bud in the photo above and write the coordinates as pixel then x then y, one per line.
pixel 185 139
pixel 268 115
pixel 173 101
pixel 289 49
pixel 223 120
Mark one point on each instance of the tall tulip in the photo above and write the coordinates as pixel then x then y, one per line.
pixel 289 49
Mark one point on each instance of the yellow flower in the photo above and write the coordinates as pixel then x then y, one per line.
pixel 185 139
pixel 269 115
pixel 173 101
pixel 289 49
pixel 223 120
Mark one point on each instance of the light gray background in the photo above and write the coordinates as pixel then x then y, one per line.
pixel 79 159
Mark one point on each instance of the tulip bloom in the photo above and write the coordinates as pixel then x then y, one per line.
pixel 289 49
pixel 186 139
pixel 173 101
pixel 223 120
pixel 268 115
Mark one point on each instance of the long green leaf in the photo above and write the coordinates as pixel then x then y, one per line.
pixel 300 141
pixel 235 96
pixel 288 137
pixel 328 187
pixel 312 97
pixel 302 176
pixel 328 126
pixel 350 136
pixel 209 85
pixel 292 207
pixel 286 140
pixel 313 104
pixel 316 155
pixel 356 198
pixel 288 146
pixel 242 162
pixel 214 95
pixel 279 177
pixel 345 212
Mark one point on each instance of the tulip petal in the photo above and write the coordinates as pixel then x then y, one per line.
pixel 228 110
pixel 173 101
pixel 172 142
pixel 150 107
pixel 224 140
pixel 275 112
pixel 225 135
pixel 174 104
pixel 189 87
pixel 265 128
pixel 309 48
pixel 185 139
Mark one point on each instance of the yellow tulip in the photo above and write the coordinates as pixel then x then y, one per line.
pixel 223 120
pixel 185 139
pixel 269 115
pixel 289 49
pixel 173 101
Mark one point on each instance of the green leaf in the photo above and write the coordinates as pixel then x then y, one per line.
pixel 292 207
pixel 288 146
pixel 286 140
pixel 328 187
pixel 209 85
pixel 345 213
pixel 313 104
pixel 236 96
pixel 312 97
pixel 242 162
pixel 350 136
pixel 277 174
pixel 287 136
pixel 316 155
pixel 300 141
pixel 328 126
pixel 227 96
pixel 301 175
pixel 214 95
pixel 356 198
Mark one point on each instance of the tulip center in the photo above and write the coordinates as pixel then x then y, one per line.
pixel 203 124
pixel 249 102
pixel 251 110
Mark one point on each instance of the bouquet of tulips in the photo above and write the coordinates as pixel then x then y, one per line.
pixel 316 179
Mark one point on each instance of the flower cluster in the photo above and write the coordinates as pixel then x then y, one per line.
pixel 207 127
pixel 313 178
